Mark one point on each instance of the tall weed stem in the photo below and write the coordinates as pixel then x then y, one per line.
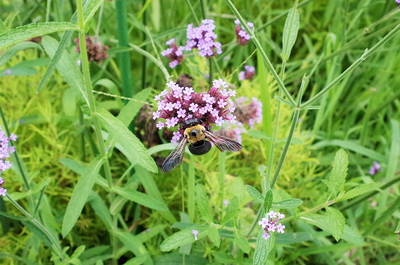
pixel 92 109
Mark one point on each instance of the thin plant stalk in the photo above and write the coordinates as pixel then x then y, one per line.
pixel 222 173
pixel 92 109
pixel 55 242
pixel 190 190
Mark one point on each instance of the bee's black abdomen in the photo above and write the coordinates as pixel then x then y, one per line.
pixel 200 148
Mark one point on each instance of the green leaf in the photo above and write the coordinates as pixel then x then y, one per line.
pixel 213 235
pixel 25 32
pixel 89 9
pixel 133 244
pixel 263 248
pixel 254 193
pixel 352 236
pixel 16 48
pixel 183 237
pixel 268 200
pixel 203 203
pixel 332 222
pixel 290 31
pixel 242 242
pixel 287 204
pixel 357 191
pixel 101 209
pixel 68 69
pixel 129 144
pixel 141 198
pixel 80 195
pixel 338 174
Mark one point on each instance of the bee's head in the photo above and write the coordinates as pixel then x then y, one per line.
pixel 191 122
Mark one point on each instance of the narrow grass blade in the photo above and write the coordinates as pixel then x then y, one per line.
pixel 129 144
pixel 80 195
pixel 141 198
pixel 349 145
pixel 183 237
pixel 23 33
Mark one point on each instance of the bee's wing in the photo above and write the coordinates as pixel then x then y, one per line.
pixel 175 157
pixel 223 143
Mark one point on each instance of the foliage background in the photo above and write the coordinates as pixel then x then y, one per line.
pixel 360 114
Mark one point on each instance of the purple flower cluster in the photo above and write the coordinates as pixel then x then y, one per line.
pixel 177 104
pixel 270 223
pixel 242 36
pixel 376 167
pixel 5 151
pixel 249 112
pixel 248 73
pixel 203 39
pixel 246 113
pixel 95 50
pixel 174 53
pixel 398 3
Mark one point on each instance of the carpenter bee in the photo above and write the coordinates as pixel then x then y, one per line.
pixel 197 136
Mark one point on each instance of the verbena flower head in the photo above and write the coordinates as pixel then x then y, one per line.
pixel 174 53
pixel 376 167
pixel 176 104
pixel 95 50
pixel 248 112
pixel 398 3
pixel 233 131
pixel 242 36
pixel 270 223
pixel 248 73
pixel 5 151
pixel 203 39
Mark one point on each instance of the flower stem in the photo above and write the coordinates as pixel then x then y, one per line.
pixel 92 109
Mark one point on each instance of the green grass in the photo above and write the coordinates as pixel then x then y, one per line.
pixel 84 190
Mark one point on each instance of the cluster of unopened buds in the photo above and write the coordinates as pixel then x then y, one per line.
pixel 242 36
pixel 95 50
pixel 248 73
